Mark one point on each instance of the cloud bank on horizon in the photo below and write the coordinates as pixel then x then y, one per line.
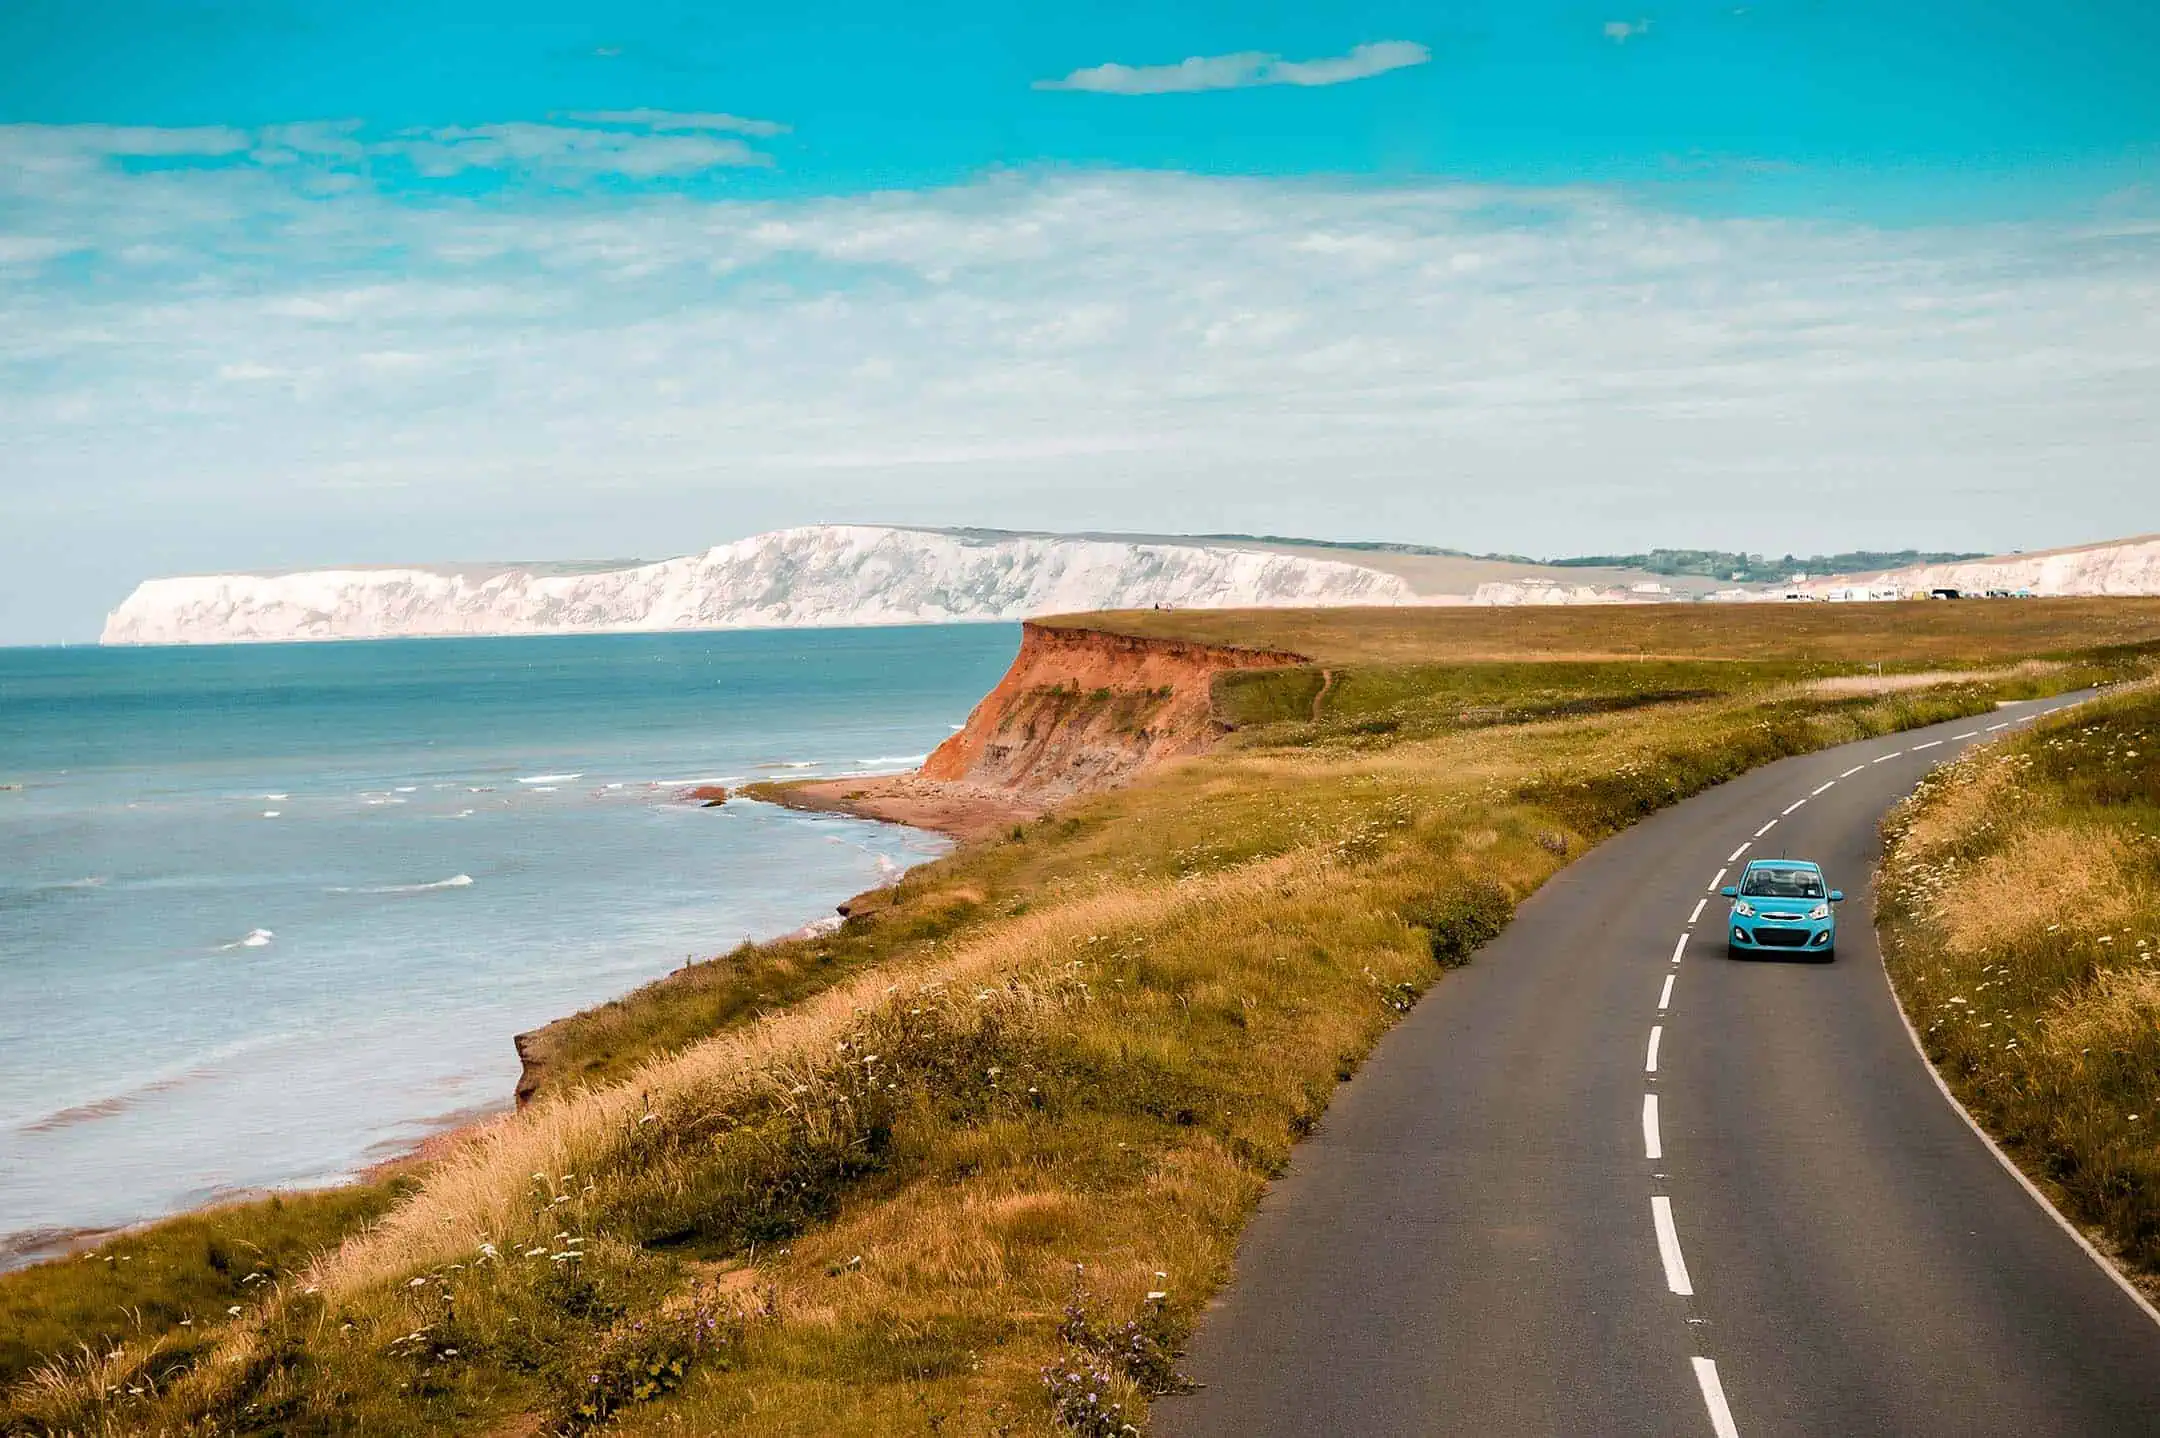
pixel 642 316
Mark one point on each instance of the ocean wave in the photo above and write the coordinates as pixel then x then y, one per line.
pixel 22 896
pixel 791 764
pixel 455 881
pixel 272 813
pixel 128 1094
pixel 256 939
pixel 275 798
pixel 693 783
pixel 895 759
pixel 551 778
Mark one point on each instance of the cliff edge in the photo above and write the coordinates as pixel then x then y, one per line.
pixel 1082 709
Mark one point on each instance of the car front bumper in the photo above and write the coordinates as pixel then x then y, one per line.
pixel 1781 937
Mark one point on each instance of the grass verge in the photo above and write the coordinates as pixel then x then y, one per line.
pixel 2020 915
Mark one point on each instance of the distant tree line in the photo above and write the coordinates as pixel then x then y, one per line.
pixel 1761 569
pixel 1732 566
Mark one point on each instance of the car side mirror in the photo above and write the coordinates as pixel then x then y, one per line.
pixel 1730 891
pixel 1837 896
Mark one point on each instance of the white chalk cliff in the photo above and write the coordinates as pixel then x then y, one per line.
pixel 2123 566
pixel 814 576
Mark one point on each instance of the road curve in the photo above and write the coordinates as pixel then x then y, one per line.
pixel 1565 1196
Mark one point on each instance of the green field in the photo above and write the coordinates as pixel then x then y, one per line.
pixel 887 1180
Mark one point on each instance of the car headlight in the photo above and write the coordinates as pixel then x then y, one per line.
pixel 1743 909
pixel 1820 911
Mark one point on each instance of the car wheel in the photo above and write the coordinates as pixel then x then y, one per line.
pixel 1829 955
pixel 1732 950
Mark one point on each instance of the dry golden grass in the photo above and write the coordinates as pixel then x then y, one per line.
pixel 1915 634
pixel 2021 918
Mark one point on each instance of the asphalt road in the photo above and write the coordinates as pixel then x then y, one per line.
pixel 1565 1198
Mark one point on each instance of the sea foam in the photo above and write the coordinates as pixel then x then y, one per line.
pixel 455 881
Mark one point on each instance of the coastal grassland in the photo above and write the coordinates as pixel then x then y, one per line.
pixel 1910 635
pixel 1007 1121
pixel 2020 914
pixel 163 1282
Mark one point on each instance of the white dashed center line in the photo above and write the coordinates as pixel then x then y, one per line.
pixel 1738 852
pixel 1968 734
pixel 1678 945
pixel 1691 918
pixel 1668 1246
pixel 1823 790
pixel 1932 743
pixel 1664 998
pixel 1716 879
pixel 1651 1147
pixel 1852 771
pixel 1887 757
pixel 1713 1397
pixel 1657 1031
pixel 1766 828
pixel 1792 806
pixel 1993 727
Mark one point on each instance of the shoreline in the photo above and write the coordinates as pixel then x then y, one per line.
pixel 901 799
pixel 961 812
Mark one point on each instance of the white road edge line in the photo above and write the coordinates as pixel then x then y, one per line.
pixel 1739 851
pixel 1664 998
pixel 1932 743
pixel 1766 828
pixel 1657 1031
pixel 1847 775
pixel 2099 1260
pixel 1824 789
pixel 1691 918
pixel 1713 1397
pixel 1652 1148
pixel 1715 879
pixel 1668 1247
pixel 1792 806
pixel 1680 944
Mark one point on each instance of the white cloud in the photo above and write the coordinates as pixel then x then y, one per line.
pixel 568 149
pixel 1238 71
pixel 1483 366
pixel 331 155
pixel 1622 31
pixel 32 250
pixel 664 120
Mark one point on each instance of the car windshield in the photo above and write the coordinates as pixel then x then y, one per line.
pixel 1783 884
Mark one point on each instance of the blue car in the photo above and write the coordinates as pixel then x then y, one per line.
pixel 1782 906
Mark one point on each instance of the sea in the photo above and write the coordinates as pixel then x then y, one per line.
pixel 272 913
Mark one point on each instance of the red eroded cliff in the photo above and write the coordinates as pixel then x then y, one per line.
pixel 1082 709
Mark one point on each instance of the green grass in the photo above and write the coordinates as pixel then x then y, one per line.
pixel 2021 917
pixel 863 1183
pixel 175 1278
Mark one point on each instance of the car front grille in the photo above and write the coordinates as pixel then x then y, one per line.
pixel 1782 938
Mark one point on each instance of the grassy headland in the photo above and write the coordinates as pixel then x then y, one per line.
pixel 2020 912
pixel 975 1162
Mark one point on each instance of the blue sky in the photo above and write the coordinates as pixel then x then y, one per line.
pixel 295 284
